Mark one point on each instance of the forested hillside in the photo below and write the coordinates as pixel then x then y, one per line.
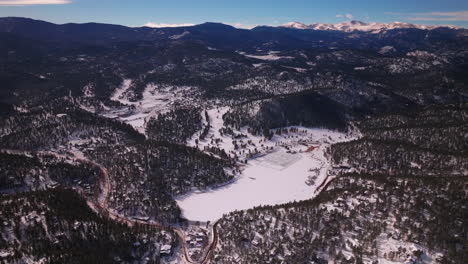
pixel 58 227
pixel 426 141
pixel 357 219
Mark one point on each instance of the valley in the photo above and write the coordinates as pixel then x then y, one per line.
pixel 321 143
pixel 287 167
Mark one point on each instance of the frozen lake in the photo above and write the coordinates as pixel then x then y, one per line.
pixel 275 178
pixel 261 183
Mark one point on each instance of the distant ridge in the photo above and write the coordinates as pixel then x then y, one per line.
pixel 354 25
pixel 399 35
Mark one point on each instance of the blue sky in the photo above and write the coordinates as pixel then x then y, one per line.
pixel 242 13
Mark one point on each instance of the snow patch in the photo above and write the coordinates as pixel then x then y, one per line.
pixel 271 56
pixel 174 37
pixel 119 94
pixel 387 49
pixel 296 68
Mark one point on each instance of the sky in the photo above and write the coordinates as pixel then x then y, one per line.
pixel 240 13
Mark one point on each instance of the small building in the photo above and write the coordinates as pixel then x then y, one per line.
pixel 311 148
pixel 166 250
pixel 257 239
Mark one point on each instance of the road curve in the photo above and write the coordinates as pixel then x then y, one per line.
pixel 100 204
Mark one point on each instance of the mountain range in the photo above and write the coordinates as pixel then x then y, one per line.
pixel 353 34
pixel 354 25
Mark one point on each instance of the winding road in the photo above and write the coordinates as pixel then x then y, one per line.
pixel 100 204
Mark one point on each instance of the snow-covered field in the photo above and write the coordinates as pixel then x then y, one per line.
pixel 286 169
pixel 271 56
pixel 156 99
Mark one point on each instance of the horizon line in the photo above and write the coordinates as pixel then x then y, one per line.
pixel 234 25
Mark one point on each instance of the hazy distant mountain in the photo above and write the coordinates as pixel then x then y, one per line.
pixel 219 34
pixel 354 25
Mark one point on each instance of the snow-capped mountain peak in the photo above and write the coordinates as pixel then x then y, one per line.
pixel 355 25
pixel 296 25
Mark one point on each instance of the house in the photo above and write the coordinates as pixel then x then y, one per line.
pixel 257 239
pixel 166 250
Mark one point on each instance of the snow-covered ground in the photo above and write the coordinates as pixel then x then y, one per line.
pixel 296 69
pixel 386 245
pixel 271 56
pixel 285 169
pixel 156 99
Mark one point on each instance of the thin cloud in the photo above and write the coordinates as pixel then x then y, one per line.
pixel 163 25
pixel 33 2
pixel 440 16
pixel 348 16
pixel 433 16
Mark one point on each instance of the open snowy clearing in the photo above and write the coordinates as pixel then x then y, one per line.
pixel 156 99
pixel 271 56
pixel 287 168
